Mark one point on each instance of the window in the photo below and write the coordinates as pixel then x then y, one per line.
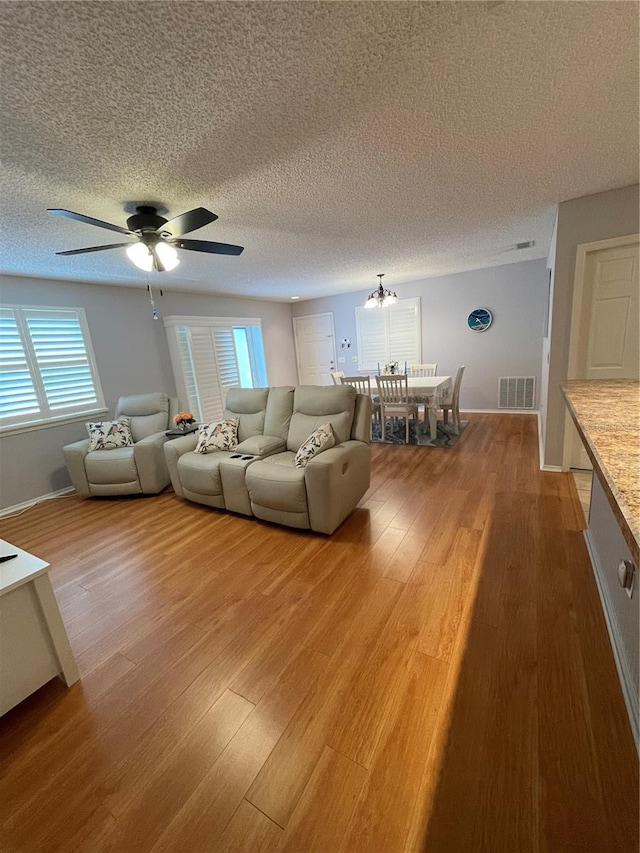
pixel 389 334
pixel 212 354
pixel 47 369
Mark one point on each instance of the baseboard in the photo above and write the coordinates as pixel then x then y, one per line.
pixel 8 510
pixel 630 696
pixel 556 469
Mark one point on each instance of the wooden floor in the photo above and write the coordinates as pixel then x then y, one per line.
pixel 435 677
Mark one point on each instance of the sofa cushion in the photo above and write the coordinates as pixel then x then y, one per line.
pixel 117 466
pixel 320 439
pixel 221 436
pixel 148 413
pixel 200 473
pixel 107 435
pixel 314 405
pixel 276 483
pixel 248 405
pixel 279 410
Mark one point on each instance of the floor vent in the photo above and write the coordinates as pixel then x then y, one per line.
pixel 516 392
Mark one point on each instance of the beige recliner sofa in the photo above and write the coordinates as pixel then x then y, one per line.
pixel 258 476
pixel 139 469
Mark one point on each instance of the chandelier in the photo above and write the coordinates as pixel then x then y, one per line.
pixel 380 297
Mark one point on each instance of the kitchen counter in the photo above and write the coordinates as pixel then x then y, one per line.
pixel 607 416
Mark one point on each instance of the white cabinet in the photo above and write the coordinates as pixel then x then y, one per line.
pixel 34 647
pixel 608 548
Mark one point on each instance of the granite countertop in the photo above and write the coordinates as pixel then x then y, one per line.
pixel 607 416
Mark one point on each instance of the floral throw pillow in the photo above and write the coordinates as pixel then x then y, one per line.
pixel 107 435
pixel 320 439
pixel 222 436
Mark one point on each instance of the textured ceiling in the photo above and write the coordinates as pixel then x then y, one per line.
pixel 334 140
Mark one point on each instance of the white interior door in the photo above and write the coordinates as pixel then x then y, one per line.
pixel 608 344
pixel 315 348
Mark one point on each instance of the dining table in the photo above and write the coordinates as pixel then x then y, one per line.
pixel 428 390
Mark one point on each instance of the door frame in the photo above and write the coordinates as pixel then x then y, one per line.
pixel 328 314
pixel 576 312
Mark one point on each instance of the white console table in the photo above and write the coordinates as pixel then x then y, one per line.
pixel 34 647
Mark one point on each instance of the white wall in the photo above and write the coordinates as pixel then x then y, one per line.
pixel 132 355
pixel 515 294
pixel 580 220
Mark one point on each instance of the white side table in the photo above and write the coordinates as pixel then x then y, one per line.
pixel 34 646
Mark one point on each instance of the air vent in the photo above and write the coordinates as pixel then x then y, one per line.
pixel 516 392
pixel 529 244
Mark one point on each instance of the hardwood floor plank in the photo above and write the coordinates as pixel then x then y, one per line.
pixel 213 803
pixel 292 761
pixel 510 789
pixel 445 590
pixel 250 830
pixel 143 809
pixel 325 809
pixel 382 814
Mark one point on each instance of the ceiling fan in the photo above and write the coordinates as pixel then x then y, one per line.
pixel 157 237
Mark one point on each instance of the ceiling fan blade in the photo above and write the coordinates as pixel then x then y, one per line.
pixel 88 219
pixel 207 246
pixel 189 221
pixel 94 249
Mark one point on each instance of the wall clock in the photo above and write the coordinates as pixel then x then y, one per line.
pixel 480 320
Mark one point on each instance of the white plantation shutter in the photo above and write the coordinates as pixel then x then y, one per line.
pixel 18 398
pixel 47 366
pixel 205 361
pixel 403 321
pixel 210 393
pixel 186 364
pixel 389 334
pixel 226 359
pixel 371 329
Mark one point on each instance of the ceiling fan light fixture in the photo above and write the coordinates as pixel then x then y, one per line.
pixel 168 255
pixel 140 255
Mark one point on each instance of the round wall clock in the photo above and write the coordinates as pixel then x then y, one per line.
pixel 480 320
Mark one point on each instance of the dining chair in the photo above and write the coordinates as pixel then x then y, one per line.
pixel 362 384
pixel 393 392
pixel 337 376
pixel 452 403
pixel 424 369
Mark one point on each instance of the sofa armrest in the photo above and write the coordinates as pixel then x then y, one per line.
pixel 173 450
pixel 261 445
pixel 148 454
pixel 335 481
pixel 74 455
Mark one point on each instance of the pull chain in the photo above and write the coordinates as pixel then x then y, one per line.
pixel 154 310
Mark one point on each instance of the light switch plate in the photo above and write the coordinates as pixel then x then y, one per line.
pixel 340 359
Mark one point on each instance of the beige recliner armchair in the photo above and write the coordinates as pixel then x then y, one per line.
pixel 139 469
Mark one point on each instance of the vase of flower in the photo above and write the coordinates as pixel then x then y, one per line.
pixel 183 420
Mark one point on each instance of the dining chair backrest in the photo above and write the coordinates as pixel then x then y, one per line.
pixel 337 376
pixel 424 369
pixel 455 394
pixel 458 382
pixel 362 384
pixel 393 389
